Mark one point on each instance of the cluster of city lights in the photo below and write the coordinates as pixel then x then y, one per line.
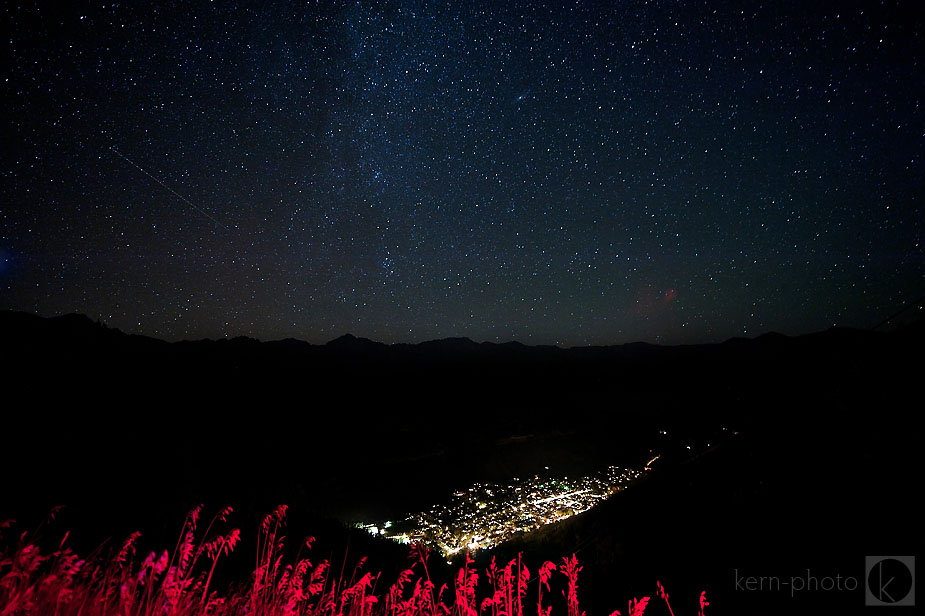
pixel 487 514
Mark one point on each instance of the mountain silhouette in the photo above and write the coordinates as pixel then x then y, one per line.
pixel 23 331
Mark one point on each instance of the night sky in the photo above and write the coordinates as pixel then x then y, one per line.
pixel 565 173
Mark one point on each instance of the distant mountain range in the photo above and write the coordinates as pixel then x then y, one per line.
pixel 355 421
pixel 31 333
pixel 456 382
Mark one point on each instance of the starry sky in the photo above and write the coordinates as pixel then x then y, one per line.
pixel 562 173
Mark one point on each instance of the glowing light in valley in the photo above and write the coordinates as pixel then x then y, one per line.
pixel 485 515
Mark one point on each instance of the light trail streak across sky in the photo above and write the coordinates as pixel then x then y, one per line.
pixel 168 188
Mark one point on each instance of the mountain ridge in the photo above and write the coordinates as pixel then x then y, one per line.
pixel 81 326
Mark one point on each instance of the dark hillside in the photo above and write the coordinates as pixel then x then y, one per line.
pixel 822 470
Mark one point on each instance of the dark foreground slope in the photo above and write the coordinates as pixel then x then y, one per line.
pixel 132 431
pixel 824 473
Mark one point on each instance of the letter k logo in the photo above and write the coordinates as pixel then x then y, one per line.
pixel 890 580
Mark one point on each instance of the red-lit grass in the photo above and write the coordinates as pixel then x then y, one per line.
pixel 179 583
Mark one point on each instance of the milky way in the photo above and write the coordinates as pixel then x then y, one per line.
pixel 562 173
